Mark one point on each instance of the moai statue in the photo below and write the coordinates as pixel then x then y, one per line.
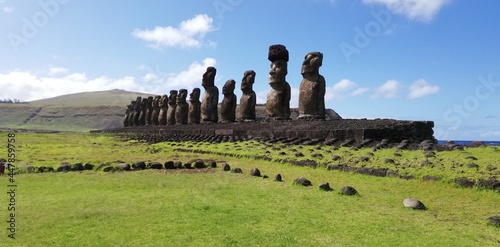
pixel 131 115
pixel 172 99
pixel 194 106
pixel 127 116
pixel 278 98
pixel 248 98
pixel 156 110
pixel 144 109
pixel 149 111
pixel 137 111
pixel 210 98
pixel 228 105
pixel 312 88
pixel 182 109
pixel 162 116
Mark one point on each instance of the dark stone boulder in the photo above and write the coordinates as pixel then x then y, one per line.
pixel 155 165
pixel 476 144
pixel 102 166
pixel 122 167
pixel 77 167
pixel 494 220
pixel 237 170
pixel 389 161
pixel 348 190
pixel 226 167
pixel 212 164
pixel 141 165
pixel 255 172
pixel 278 178
pixel 199 164
pixel 265 176
pixel 64 167
pixel 188 165
pixel 179 165
pixel 325 187
pixel 108 169
pixel 88 166
pixel 465 182
pixel 413 204
pixel 336 157
pixel 169 165
pixel 302 181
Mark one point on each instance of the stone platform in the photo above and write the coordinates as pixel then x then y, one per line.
pixel 356 130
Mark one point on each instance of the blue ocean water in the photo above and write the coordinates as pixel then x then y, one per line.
pixel 467 143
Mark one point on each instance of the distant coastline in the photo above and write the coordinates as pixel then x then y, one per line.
pixel 467 143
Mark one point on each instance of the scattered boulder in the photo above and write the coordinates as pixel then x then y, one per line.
pixel 278 178
pixel 122 167
pixel 473 165
pixel 494 220
pixel 255 172
pixel 212 164
pixel 336 157
pixel 465 182
pixel 413 204
pixel 389 161
pixel 64 167
pixel 226 167
pixel 178 165
pixel 199 164
pixel 169 165
pixel 348 191
pixel 476 144
pixel 325 187
pixel 302 181
pixel 88 166
pixel 108 169
pixel 299 154
pixel 237 170
pixel 102 166
pixel 77 167
pixel 155 165
pixel 265 176
pixel 141 165
pixel 187 165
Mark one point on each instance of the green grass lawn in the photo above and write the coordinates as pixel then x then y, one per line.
pixel 215 208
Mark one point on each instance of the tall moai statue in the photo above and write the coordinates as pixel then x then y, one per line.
pixel 131 115
pixel 210 98
pixel 194 106
pixel 312 88
pixel 144 109
pixel 172 104
pixel 162 116
pixel 228 105
pixel 248 97
pixel 149 111
pixel 278 98
pixel 128 112
pixel 182 108
pixel 156 110
pixel 137 111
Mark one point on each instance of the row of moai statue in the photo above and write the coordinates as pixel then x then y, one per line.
pixel 174 109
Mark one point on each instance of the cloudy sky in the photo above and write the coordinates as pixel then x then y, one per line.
pixel 433 60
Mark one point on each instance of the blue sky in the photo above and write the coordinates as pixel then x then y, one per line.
pixel 432 60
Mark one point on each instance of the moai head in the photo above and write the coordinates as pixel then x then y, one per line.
pixel 172 98
pixel 228 88
pixel 138 99
pixel 248 80
pixel 181 97
pixel 209 77
pixel 278 55
pixel 312 62
pixel 150 100
pixel 194 96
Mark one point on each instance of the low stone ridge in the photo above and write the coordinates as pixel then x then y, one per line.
pixel 414 204
pixel 302 181
pixel 348 190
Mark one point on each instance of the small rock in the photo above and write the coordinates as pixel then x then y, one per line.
pixel 303 181
pixel 141 165
pixel 155 165
pixel 212 164
pixel 278 178
pixel 255 172
pixel 495 220
pixel 348 190
pixel 325 187
pixel 413 204
pixel 237 170
pixel 336 157
pixel 226 167
pixel 265 176
pixel 123 167
pixel 199 164
pixel 169 165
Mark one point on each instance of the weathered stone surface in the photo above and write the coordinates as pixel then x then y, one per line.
pixel 278 98
pixel 255 172
pixel 156 110
pixel 325 187
pixel 194 106
pixel 348 190
pixel 210 99
pixel 226 167
pixel 182 108
pixel 237 170
pixel 140 165
pixel 123 166
pixel 228 105
pixel 199 164
pixel 312 88
pixel 413 204
pixel 302 181
pixel 155 165
pixel 137 111
pixel 162 115
pixel 172 105
pixel 144 109
pixel 149 111
pixel 88 166
pixel 170 165
pixel 248 99
pixel 77 167
pixel 128 114
pixel 64 167
pixel 494 220
pixel 278 178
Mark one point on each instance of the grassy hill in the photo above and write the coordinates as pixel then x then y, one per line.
pixel 78 112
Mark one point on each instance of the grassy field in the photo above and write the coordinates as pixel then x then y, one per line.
pixel 209 207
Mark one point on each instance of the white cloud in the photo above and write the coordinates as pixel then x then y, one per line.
pixel 58 70
pixel 188 34
pixel 8 9
pixel 421 10
pixel 342 89
pixel 387 90
pixel 421 88
pixel 191 77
